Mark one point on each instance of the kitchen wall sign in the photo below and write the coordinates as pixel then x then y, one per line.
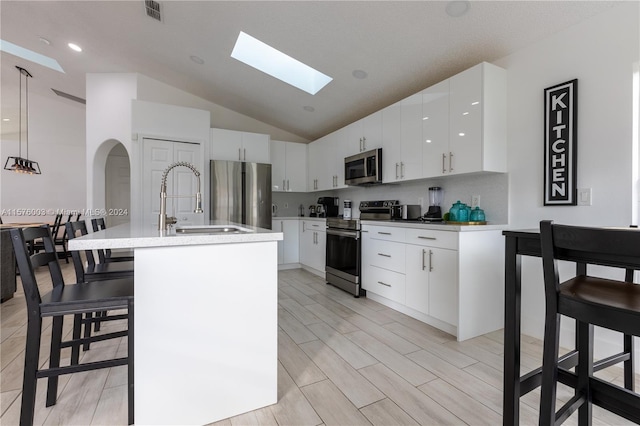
pixel 560 144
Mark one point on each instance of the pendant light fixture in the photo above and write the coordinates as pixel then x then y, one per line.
pixel 22 164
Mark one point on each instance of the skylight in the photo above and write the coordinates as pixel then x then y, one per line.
pixel 271 61
pixel 30 55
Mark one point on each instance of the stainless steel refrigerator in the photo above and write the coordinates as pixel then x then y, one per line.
pixel 241 192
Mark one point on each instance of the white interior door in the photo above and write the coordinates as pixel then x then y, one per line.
pixel 157 156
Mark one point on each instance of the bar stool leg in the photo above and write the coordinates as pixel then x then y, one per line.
pixel 585 371
pixel 549 367
pixel 32 354
pixel 629 370
pixel 54 360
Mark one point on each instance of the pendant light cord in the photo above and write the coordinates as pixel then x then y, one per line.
pixel 20 117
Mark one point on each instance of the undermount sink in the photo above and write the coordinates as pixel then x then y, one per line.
pixel 211 229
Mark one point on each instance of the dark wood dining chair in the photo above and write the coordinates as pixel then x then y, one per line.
pixel 62 300
pixel 590 300
pixel 106 255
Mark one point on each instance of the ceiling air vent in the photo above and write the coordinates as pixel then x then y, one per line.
pixel 153 9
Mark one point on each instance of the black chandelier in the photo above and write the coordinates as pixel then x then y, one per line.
pixel 22 164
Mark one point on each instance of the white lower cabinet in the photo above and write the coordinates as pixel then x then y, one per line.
pixel 289 246
pixel 452 280
pixel 313 243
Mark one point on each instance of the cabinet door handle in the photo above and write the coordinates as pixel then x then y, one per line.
pixel 384 255
pixel 444 156
pixel 385 284
pixel 281 226
pixel 363 230
pixel 304 226
pixel 423 253
pixel 284 188
pixel 426 238
pixel 239 154
pixel 288 186
pixel 401 170
pixel 430 260
pixel 384 233
pixel 364 143
pixel 451 161
pixel 396 170
pixel 244 154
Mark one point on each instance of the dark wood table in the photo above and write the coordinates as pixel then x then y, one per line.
pixel 8 260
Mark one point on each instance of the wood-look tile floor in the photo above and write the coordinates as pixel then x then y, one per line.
pixel 342 361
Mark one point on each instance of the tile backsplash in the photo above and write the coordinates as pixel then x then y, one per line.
pixel 491 187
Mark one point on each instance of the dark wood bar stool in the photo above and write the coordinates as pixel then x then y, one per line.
pixel 94 271
pixel 612 304
pixel 74 299
pixel 105 256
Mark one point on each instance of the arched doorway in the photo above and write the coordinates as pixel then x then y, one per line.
pixel 117 179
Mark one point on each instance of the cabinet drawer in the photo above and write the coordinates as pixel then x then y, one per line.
pixel 387 254
pixel 432 238
pixel 386 283
pixel 387 233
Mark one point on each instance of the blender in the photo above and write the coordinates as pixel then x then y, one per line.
pixel 434 213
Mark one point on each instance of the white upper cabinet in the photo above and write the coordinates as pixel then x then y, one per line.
pixel 320 158
pixel 411 149
pixel 239 146
pixel 391 135
pixel 477 120
pixel 289 166
pixel 402 140
pixel 326 162
pixel 435 129
pixel 365 134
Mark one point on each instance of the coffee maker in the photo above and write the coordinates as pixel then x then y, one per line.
pixel 327 207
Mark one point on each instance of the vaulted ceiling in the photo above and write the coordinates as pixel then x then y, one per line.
pixel 402 46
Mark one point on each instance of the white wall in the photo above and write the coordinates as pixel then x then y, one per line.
pixel 600 53
pixel 108 121
pixel 223 118
pixel 56 142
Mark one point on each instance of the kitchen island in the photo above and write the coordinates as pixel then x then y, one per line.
pixel 205 319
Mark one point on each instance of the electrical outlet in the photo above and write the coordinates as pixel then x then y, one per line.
pixel 286 205
pixel 475 201
pixel 584 196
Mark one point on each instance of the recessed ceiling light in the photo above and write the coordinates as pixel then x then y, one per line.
pixel 198 60
pixel 75 47
pixel 269 60
pixel 6 119
pixel 30 55
pixel 457 8
pixel 359 74
pixel 308 108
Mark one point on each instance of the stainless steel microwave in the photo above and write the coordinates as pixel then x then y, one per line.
pixel 364 168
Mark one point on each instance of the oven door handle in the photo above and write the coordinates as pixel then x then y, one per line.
pixel 351 234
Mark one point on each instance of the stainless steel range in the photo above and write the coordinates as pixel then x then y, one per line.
pixel 343 254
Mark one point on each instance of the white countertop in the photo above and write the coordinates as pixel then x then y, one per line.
pixel 127 237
